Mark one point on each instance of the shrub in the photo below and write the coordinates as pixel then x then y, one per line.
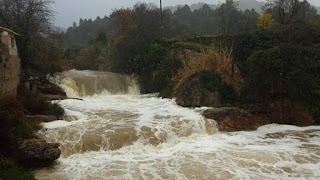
pixel 217 60
pixel 9 170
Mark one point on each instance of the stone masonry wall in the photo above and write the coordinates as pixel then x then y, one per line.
pixel 9 72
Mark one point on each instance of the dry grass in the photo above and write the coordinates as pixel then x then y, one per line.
pixel 213 59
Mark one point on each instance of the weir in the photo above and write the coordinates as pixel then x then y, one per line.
pixel 89 83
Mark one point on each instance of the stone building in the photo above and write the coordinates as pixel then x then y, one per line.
pixel 9 63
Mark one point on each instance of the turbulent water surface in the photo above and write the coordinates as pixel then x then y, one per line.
pixel 116 133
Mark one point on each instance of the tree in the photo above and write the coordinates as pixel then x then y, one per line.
pixel 74 25
pixel 102 37
pixel 30 18
pixel 246 21
pixel 205 21
pixel 283 11
pixel 80 21
pixel 122 22
pixel 265 21
pixel 306 12
pixel 227 13
pixel 47 51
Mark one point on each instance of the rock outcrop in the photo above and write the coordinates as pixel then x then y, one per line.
pixel 38 153
pixel 234 119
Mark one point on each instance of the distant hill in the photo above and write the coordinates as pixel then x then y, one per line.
pixel 243 4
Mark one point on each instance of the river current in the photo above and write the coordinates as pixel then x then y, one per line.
pixel 114 132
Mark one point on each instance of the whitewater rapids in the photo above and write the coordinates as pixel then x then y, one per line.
pixel 116 133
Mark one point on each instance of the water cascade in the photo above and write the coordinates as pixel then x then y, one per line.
pixel 116 133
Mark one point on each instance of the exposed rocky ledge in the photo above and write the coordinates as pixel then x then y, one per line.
pixel 38 153
pixel 231 119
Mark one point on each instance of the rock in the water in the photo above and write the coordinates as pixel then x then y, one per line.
pixel 38 153
pixel 234 119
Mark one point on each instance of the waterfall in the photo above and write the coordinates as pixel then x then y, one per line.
pixel 88 83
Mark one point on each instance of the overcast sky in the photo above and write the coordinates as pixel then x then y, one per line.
pixel 68 11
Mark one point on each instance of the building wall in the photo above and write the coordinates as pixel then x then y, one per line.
pixel 9 66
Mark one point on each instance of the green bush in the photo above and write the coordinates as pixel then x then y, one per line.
pixel 10 171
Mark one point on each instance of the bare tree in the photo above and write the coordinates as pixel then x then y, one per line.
pixel 30 18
